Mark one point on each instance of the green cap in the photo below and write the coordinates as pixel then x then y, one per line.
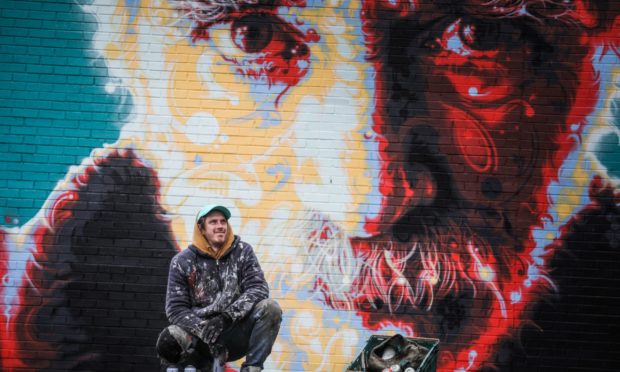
pixel 210 208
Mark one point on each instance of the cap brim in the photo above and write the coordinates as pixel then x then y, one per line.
pixel 211 208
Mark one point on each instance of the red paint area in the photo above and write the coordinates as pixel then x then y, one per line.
pixel 275 50
pixel 491 120
pixel 475 143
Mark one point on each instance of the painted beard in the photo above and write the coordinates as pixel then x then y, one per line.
pixel 434 283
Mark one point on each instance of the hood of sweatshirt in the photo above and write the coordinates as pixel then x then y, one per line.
pixel 200 242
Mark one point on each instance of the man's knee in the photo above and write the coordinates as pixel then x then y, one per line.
pixel 270 310
pixel 168 347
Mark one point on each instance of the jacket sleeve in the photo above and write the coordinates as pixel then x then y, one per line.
pixel 252 284
pixel 178 303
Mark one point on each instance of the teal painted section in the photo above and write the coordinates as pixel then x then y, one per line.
pixel 54 106
pixel 608 149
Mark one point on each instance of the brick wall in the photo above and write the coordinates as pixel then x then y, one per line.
pixel 435 170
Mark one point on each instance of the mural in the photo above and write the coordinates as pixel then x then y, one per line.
pixel 441 169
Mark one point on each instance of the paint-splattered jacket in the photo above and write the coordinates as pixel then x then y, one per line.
pixel 199 285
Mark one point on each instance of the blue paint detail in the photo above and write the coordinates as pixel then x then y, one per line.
pixel 270 117
pixel 266 114
pixel 55 108
pixel 133 6
pixel 197 160
pixel 266 96
pixel 454 44
pixel 284 170
pixel 615 111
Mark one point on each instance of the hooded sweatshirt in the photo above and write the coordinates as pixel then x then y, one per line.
pixel 203 282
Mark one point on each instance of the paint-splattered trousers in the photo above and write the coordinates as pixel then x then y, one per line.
pixel 252 337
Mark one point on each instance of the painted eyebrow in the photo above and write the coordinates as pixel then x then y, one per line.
pixel 208 12
pixel 570 13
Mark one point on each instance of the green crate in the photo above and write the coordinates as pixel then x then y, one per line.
pixel 429 364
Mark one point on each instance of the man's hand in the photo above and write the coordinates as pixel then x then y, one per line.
pixel 213 327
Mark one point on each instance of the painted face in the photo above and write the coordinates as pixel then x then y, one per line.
pixel 401 154
pixel 272 99
pixel 214 228
pixel 474 114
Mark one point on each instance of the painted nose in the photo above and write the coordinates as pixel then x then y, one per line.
pixel 414 175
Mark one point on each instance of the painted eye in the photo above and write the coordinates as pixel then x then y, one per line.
pixel 478 38
pixel 481 58
pixel 252 33
pixel 275 51
pixel 480 35
pixel 273 48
